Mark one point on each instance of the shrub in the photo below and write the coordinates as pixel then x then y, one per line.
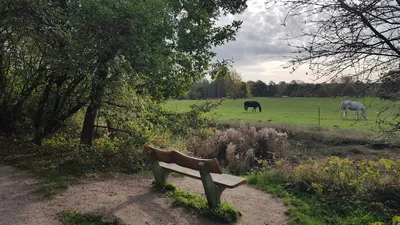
pixel 308 206
pixel 238 149
pixel 61 159
pixel 107 155
pixel 369 185
pixel 349 177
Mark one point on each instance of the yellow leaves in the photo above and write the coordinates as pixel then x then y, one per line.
pixel 387 163
pixel 338 174
pixel 396 220
pixel 333 160
pixel 371 163
pixel 279 162
pixel 317 187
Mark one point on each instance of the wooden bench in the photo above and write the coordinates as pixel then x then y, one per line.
pixel 207 170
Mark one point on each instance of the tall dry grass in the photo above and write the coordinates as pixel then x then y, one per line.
pixel 241 149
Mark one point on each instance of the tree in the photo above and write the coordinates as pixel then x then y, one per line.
pixel 272 89
pixel 349 90
pixel 57 57
pixel 164 44
pixel 293 88
pixel 336 89
pixel 42 73
pixel 360 38
pixel 282 88
pixel 322 92
pixel 245 90
pixel 390 87
pixel 259 89
pixel 234 85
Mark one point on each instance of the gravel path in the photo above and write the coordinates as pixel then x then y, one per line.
pixel 127 198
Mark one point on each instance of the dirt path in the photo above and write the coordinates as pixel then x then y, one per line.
pixel 127 199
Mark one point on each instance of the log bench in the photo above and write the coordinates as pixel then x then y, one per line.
pixel 207 170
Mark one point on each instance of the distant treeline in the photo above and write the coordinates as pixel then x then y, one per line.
pixel 233 87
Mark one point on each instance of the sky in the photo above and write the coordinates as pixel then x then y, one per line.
pixel 259 52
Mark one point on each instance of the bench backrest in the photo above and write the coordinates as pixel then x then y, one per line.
pixel 184 160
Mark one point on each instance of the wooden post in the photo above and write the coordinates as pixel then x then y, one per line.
pixel 160 175
pixel 319 116
pixel 212 191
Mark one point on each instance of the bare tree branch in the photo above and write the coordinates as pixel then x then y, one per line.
pixel 368 24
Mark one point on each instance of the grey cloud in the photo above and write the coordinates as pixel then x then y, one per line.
pixel 260 48
pixel 260 37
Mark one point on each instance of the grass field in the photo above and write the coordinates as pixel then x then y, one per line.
pixel 299 111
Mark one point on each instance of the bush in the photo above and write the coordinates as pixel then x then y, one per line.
pixel 107 155
pixel 344 186
pixel 238 150
pixel 308 208
pixel 60 160
pixel 350 178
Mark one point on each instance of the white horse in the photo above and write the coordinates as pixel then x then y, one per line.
pixel 354 106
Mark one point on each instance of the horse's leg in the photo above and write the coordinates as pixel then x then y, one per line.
pixel 341 112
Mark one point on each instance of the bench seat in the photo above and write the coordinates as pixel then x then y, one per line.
pixel 207 170
pixel 225 180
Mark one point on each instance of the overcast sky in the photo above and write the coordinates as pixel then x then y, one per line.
pixel 259 50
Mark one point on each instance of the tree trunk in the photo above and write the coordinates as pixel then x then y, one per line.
pixel 6 126
pixel 38 120
pixel 53 123
pixel 5 120
pixel 110 130
pixel 94 105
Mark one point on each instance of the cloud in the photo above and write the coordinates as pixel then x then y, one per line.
pixel 259 49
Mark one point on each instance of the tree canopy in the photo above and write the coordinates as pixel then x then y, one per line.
pixel 58 57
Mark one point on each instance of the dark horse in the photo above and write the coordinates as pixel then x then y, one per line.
pixel 252 104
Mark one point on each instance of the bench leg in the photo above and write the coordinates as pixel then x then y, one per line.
pixel 160 175
pixel 212 191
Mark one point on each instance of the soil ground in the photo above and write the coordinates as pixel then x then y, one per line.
pixel 127 198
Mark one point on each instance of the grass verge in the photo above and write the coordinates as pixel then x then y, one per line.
pixel 58 166
pixel 310 209
pixel 68 217
pixel 225 213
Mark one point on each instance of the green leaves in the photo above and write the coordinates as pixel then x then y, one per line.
pixel 58 57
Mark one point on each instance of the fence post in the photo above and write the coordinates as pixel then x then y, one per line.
pixel 319 116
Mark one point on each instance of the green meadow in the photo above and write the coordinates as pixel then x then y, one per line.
pixel 298 111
